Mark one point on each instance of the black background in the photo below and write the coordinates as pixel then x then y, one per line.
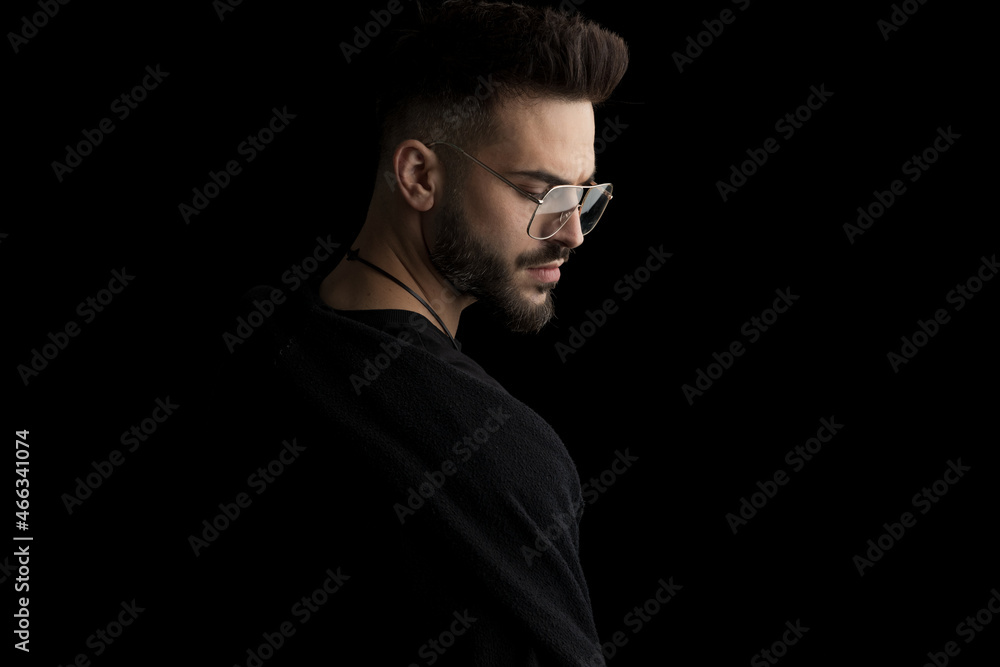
pixel 665 517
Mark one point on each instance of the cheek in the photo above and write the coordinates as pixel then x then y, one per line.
pixel 499 221
pixel 509 235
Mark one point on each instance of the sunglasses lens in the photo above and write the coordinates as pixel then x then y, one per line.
pixel 561 202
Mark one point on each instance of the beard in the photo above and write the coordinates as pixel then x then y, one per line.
pixel 475 268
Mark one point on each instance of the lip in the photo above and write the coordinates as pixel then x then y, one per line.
pixel 547 273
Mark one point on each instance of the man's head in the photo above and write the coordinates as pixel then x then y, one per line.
pixel 515 88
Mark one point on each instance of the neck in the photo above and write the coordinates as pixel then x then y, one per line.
pixel 352 285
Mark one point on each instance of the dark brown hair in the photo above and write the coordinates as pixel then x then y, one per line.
pixel 446 77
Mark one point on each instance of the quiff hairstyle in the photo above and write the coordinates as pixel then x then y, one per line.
pixel 445 79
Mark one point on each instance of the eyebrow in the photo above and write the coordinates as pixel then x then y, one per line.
pixel 549 178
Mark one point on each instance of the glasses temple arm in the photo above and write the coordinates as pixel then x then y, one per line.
pixel 519 190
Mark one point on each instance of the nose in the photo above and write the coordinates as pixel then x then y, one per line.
pixel 571 234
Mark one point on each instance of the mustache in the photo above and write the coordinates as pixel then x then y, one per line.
pixel 548 253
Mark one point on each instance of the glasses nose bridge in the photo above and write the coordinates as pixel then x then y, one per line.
pixel 573 217
pixel 568 213
pixel 565 217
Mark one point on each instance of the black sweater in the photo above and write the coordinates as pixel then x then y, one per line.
pixel 452 506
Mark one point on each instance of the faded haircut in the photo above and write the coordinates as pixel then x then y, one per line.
pixel 446 78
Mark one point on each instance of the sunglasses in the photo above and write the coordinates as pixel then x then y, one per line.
pixel 556 207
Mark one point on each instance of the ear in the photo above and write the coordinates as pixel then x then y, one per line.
pixel 419 174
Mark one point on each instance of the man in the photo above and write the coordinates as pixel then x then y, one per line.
pixel 462 503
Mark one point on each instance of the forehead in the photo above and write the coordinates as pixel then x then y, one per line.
pixel 556 136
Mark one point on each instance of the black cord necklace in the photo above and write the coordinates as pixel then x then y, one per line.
pixel 352 256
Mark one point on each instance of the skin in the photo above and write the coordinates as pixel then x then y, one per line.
pixel 406 226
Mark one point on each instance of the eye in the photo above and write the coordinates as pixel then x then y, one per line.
pixel 564 198
pixel 535 189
